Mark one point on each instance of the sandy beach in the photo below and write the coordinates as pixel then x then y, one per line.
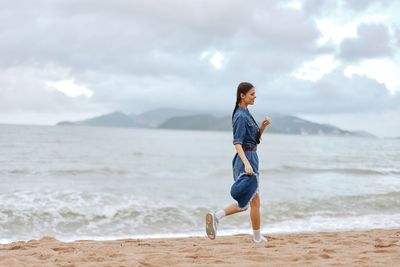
pixel 352 248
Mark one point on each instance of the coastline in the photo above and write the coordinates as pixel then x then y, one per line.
pixel 377 247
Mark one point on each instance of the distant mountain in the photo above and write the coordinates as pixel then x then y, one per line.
pixel 365 134
pixel 157 116
pixel 197 122
pixel 280 124
pixel 392 138
pixel 165 118
pixel 148 119
pixel 114 119
pixel 288 124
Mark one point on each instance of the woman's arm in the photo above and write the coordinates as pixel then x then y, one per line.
pixel 247 166
pixel 239 133
pixel 264 124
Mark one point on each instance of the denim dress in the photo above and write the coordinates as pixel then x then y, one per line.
pixel 245 130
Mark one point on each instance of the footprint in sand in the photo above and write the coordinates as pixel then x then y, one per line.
pixel 381 245
pixel 327 250
pixel 16 247
pixel 381 251
pixel 325 256
pixel 64 249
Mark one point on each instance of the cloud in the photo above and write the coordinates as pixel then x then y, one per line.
pixel 382 70
pixel 136 47
pixel 334 93
pixel 364 4
pixel 315 69
pixel 215 59
pixel 397 36
pixel 373 41
pixel 70 88
pixel 142 38
pixel 137 55
pixel 319 8
pixel 24 89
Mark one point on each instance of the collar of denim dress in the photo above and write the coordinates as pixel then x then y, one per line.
pixel 245 109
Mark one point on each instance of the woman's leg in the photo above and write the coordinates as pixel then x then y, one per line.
pixel 255 219
pixel 212 218
pixel 232 209
pixel 255 212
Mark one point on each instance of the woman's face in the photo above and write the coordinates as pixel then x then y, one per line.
pixel 250 96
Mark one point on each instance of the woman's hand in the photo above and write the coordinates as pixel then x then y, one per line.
pixel 248 169
pixel 266 122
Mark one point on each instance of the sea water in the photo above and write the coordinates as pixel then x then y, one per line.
pixel 76 182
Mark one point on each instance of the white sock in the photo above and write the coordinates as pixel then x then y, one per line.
pixel 257 234
pixel 220 214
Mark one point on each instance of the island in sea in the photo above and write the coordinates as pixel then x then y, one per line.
pixel 168 118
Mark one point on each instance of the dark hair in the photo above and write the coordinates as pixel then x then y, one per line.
pixel 243 88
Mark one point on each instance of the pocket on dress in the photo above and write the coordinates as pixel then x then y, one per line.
pixel 252 127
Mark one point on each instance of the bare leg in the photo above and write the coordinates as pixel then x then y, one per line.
pixel 232 209
pixel 255 212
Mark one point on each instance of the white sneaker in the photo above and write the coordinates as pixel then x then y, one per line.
pixel 262 240
pixel 211 225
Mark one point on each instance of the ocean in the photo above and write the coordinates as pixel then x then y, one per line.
pixel 110 183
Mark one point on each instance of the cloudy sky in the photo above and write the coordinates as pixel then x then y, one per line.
pixel 329 61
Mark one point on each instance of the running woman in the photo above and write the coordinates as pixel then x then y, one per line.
pixel 245 189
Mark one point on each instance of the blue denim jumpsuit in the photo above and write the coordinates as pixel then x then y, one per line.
pixel 245 131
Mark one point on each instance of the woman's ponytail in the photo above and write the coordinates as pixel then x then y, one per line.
pixel 236 107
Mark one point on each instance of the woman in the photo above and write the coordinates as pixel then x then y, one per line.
pixel 246 136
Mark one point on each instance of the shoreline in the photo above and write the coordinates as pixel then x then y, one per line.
pixel 377 247
pixel 221 233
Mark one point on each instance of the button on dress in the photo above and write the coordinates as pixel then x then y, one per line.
pixel 245 130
